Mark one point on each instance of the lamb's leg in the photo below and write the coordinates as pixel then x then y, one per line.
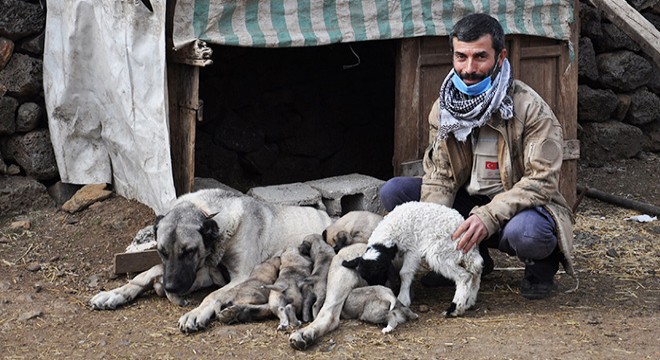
pixel 463 287
pixel 410 264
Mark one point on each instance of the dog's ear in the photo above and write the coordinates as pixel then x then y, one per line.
pixel 304 248
pixel 210 232
pixel 351 264
pixel 324 235
pixel 342 239
pixel 158 219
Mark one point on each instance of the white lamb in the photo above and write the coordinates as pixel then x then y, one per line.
pixel 419 230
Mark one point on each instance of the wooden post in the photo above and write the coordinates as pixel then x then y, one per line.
pixel 184 104
pixel 568 78
pixel 407 116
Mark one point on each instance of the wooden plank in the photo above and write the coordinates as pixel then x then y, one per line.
pixel 407 114
pixel 567 74
pixel 135 261
pixel 184 105
pixel 630 21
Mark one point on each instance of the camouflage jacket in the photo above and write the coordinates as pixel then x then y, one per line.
pixel 529 155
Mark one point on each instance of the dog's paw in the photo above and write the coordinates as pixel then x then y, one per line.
pixel 301 339
pixel 107 300
pixel 196 319
pixel 228 315
pixel 388 329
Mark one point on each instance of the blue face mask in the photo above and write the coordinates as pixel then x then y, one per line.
pixel 472 90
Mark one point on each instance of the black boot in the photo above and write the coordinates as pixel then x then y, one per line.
pixel 433 279
pixel 539 274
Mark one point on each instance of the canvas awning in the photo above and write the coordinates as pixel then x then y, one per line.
pixel 290 23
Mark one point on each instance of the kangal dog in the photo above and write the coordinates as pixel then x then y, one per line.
pixel 206 231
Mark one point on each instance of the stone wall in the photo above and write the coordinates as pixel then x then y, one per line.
pixel 281 116
pixel 27 161
pixel 619 88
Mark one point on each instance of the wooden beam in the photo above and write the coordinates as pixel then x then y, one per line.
pixel 135 261
pixel 630 21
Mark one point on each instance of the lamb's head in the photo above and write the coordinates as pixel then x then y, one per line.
pixel 375 266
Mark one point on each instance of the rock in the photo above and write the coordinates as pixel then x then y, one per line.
pixel 8 106
pixel 21 224
pixel 61 192
pixel 86 196
pixel 19 19
pixel 28 117
pixel 622 107
pixel 590 20
pixel 34 153
pixel 614 38
pixel 611 140
pixel 623 70
pixel 644 108
pixel 34 267
pixel 587 67
pixel 23 76
pixel 6 51
pixel 30 315
pixel 595 105
pixel 19 194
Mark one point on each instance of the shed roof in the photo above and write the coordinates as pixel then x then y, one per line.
pixel 293 23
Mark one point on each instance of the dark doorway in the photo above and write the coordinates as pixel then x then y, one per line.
pixel 275 116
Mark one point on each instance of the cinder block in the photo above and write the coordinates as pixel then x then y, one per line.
pixel 345 193
pixel 299 194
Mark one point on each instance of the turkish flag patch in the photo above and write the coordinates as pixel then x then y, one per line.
pixel 491 165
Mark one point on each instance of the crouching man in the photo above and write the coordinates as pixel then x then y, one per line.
pixel 495 155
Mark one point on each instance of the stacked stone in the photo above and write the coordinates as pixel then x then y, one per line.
pixel 618 88
pixel 27 160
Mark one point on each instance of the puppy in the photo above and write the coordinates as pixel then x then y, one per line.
pixel 376 304
pixel 314 286
pixel 252 291
pixel 285 299
pixel 354 227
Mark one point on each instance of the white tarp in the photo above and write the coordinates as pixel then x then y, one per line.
pixel 106 96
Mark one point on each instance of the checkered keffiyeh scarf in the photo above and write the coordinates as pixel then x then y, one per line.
pixel 459 114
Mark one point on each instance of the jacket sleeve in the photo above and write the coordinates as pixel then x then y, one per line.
pixel 541 152
pixel 438 183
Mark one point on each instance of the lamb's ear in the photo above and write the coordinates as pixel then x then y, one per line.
pixel 351 264
pixel 391 251
pixel 210 232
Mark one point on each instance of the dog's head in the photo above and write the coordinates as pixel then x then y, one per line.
pixel 184 236
pixel 375 266
pixel 337 239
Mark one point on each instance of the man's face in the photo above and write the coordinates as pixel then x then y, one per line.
pixel 474 61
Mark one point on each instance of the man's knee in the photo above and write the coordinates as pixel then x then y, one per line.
pixel 399 190
pixel 530 234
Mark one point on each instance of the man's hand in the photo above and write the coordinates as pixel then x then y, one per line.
pixel 473 231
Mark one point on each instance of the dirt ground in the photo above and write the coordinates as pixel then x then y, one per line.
pixel 49 272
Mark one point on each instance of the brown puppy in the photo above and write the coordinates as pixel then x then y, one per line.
pixel 354 227
pixel 314 286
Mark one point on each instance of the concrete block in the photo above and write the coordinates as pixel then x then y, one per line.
pixel 298 194
pixel 345 193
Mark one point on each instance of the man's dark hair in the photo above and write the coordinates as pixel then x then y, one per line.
pixel 473 26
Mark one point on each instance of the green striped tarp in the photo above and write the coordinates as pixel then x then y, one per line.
pixel 291 23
